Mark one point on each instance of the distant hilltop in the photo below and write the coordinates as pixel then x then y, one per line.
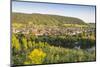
pixel 45 19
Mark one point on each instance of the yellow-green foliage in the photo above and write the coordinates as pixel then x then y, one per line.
pixel 15 25
pixel 36 56
pixel 24 41
pixel 74 25
pixel 29 44
pixel 15 43
pixel 39 52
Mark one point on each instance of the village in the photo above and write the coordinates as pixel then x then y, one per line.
pixel 51 30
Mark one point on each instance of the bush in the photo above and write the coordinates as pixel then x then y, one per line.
pixel 36 57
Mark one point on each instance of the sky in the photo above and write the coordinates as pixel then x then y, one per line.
pixel 86 13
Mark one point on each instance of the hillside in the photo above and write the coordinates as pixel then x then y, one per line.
pixel 45 19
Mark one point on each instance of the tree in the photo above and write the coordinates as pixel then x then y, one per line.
pixel 29 44
pixel 24 42
pixel 15 43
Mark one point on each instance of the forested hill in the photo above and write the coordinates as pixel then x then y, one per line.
pixel 44 19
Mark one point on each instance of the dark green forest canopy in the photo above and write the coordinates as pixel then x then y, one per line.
pixel 45 19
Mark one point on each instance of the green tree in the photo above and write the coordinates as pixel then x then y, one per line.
pixel 24 42
pixel 29 44
pixel 15 43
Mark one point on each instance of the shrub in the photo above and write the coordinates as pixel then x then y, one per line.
pixel 36 56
